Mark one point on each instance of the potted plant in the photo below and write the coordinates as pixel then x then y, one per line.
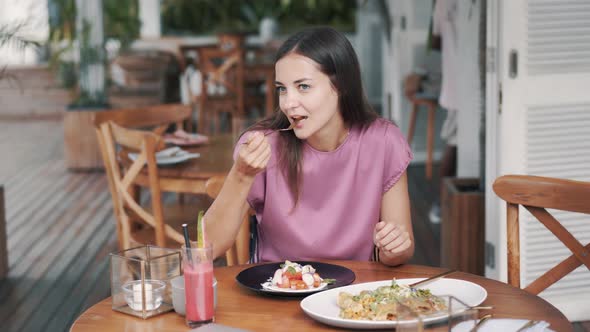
pixel 10 37
pixel 79 59
pixel 80 145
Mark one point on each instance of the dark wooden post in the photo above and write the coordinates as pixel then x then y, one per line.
pixel 462 225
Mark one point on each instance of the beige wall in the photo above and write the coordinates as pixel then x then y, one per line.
pixel 31 92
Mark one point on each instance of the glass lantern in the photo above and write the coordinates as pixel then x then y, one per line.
pixel 140 280
pixel 455 317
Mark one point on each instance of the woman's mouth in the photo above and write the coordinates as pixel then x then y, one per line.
pixel 298 120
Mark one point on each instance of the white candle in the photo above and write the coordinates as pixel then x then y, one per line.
pixel 137 300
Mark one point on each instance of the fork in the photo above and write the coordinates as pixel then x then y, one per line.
pixel 480 322
pixel 528 324
pixel 291 126
pixel 431 279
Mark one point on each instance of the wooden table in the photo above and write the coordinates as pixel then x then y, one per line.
pixel 241 308
pixel 216 159
pixel 190 176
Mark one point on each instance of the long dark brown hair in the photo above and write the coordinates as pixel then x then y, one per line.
pixel 336 58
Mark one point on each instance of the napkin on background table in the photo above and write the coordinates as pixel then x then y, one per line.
pixel 503 324
pixel 181 137
pixel 175 153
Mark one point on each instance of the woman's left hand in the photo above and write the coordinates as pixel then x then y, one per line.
pixel 391 239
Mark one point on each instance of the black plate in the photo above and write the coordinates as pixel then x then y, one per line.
pixel 252 277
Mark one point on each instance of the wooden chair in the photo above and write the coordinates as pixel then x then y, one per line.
pixel 411 87
pixel 145 77
pixel 231 41
pixel 536 194
pixel 162 221
pixel 221 70
pixel 239 253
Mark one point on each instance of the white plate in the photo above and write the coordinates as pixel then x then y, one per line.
pixel 268 286
pixel 323 307
pixel 170 156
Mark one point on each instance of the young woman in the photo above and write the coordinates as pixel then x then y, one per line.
pixel 333 187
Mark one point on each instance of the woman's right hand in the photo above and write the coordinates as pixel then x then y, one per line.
pixel 253 155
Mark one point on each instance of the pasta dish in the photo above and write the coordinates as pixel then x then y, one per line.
pixel 389 303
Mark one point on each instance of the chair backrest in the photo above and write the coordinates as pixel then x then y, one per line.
pixel 536 194
pixel 239 253
pixel 231 41
pixel 220 70
pixel 124 177
pixel 160 117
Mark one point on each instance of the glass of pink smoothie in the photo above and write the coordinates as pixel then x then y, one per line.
pixel 198 284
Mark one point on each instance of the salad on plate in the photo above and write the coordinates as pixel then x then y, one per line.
pixel 389 303
pixel 293 276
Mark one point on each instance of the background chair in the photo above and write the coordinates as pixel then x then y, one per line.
pixel 239 253
pixel 161 222
pixel 143 78
pixel 536 194
pixel 411 89
pixel 231 41
pixel 222 72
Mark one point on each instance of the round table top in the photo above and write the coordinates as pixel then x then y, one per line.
pixel 241 308
pixel 216 159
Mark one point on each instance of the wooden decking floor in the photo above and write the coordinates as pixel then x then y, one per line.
pixel 60 230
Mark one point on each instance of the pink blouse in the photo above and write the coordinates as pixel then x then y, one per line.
pixel 340 196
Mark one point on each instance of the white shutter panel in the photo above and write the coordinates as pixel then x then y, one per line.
pixel 558 36
pixel 557 145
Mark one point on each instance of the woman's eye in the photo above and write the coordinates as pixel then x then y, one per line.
pixel 280 89
pixel 303 86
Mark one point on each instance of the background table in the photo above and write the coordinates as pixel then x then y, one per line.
pixel 241 308
pixel 216 159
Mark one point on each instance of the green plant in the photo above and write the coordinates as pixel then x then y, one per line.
pixel 10 36
pixel 121 22
pixel 180 17
pixel 62 32
pixel 90 55
pixel 62 20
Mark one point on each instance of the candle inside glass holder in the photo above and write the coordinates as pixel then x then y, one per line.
pixel 140 279
pixel 154 290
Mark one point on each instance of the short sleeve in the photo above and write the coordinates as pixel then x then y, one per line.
pixel 257 192
pixel 397 156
